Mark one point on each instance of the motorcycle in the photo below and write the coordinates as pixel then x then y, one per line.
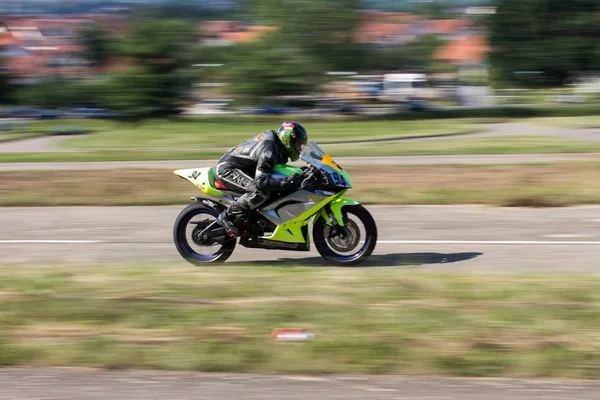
pixel 344 232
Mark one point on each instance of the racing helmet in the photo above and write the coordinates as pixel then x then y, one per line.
pixel 293 136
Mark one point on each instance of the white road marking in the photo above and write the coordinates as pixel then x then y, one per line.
pixel 49 241
pixel 567 235
pixel 515 242
pixel 304 378
pixel 495 242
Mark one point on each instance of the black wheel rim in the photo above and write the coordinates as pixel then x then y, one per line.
pixel 346 247
pixel 191 245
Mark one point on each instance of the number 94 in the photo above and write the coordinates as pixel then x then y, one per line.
pixel 338 179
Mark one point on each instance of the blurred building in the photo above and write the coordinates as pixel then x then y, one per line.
pixel 225 33
pixel 466 51
pixel 35 47
pixel 396 29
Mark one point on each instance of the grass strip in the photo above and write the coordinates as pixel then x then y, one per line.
pixel 583 122
pixel 367 320
pixel 453 146
pixel 165 133
pixel 559 184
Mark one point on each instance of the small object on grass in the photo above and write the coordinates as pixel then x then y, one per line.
pixel 292 334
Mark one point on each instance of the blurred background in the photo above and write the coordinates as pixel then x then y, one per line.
pixel 150 58
pixel 469 129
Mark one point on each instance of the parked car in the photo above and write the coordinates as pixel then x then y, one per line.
pixel 34 113
pixel 89 112
pixel 268 110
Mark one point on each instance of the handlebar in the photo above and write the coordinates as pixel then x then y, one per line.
pixel 311 176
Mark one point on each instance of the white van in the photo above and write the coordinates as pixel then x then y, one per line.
pixel 403 87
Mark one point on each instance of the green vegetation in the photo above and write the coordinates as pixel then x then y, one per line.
pixel 6 88
pixel 507 185
pixel 210 137
pixel 9 137
pixel 492 145
pixel 164 133
pixel 98 44
pixel 544 42
pixel 292 59
pixel 583 122
pixel 16 130
pixel 377 321
pixel 530 111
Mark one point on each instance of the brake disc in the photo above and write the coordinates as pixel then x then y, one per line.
pixel 348 240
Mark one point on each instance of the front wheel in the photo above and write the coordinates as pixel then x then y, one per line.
pixel 353 243
pixel 193 240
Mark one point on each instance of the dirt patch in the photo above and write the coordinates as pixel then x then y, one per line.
pixel 517 185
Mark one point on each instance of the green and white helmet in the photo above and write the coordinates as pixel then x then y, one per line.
pixel 293 136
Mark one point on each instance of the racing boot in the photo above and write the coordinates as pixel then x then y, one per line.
pixel 230 219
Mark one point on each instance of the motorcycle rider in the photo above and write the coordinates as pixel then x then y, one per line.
pixel 247 168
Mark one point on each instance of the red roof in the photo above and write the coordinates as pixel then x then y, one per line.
pixel 6 39
pixel 234 31
pixel 219 27
pixel 393 17
pixel 372 32
pixel 472 49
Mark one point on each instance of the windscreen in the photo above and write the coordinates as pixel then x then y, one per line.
pixel 315 155
pixel 312 150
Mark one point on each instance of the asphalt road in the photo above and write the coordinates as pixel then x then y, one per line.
pixel 469 239
pixel 436 238
pixel 82 384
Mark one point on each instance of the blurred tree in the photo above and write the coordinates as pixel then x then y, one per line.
pixel 130 93
pixel 262 71
pixel 97 43
pixel 418 7
pixel 434 10
pixel 57 91
pixel 312 37
pixel 160 45
pixel 423 48
pixel 6 87
pixel 324 29
pixel 162 51
pixel 187 10
pixel 389 58
pixel 544 42
pixel 411 56
pixel 50 92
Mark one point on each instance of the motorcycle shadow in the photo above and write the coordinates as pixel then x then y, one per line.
pixel 376 260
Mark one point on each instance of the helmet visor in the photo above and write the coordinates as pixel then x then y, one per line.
pixel 299 146
pixel 300 141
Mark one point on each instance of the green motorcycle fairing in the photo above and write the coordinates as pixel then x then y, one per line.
pixel 291 230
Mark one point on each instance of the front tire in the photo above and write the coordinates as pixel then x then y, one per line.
pixel 199 254
pixel 353 247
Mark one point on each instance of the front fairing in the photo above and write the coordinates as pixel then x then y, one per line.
pixel 316 156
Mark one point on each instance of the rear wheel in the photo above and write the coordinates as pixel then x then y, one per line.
pixel 353 243
pixel 194 241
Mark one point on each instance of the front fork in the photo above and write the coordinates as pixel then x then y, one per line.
pixel 332 214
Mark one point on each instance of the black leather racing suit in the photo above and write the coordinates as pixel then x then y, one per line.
pixel 248 167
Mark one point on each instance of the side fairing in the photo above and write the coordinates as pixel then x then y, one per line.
pixel 291 206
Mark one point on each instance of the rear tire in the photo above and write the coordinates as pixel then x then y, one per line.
pixel 328 250
pixel 182 242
